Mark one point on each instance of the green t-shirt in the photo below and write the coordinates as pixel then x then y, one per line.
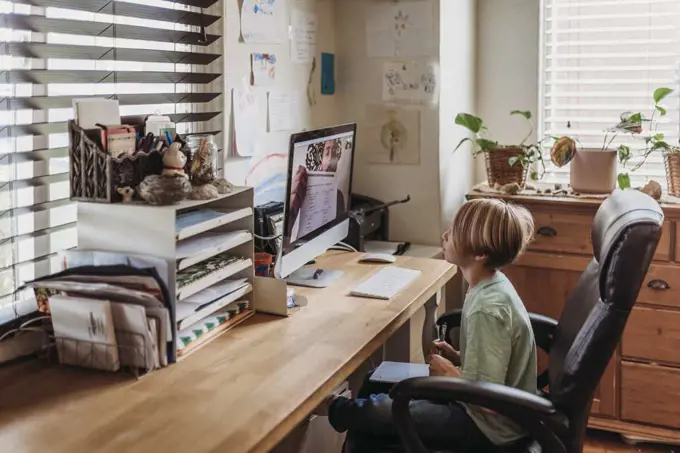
pixel 497 345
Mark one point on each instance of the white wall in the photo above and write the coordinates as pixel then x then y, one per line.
pixel 359 83
pixel 507 67
pixel 457 60
pixel 289 76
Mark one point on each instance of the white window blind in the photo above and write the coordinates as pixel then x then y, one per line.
pixel 600 58
pixel 153 56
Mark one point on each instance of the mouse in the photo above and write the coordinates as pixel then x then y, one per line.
pixel 377 258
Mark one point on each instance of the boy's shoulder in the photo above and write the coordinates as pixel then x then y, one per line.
pixel 497 298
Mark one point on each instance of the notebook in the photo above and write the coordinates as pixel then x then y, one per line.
pixel 393 372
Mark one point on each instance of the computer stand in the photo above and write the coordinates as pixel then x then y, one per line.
pixel 313 278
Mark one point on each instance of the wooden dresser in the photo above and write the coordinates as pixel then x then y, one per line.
pixel 639 395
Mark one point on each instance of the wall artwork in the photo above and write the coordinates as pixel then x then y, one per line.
pixel 403 29
pixel 263 66
pixel 393 135
pixel 261 21
pixel 410 82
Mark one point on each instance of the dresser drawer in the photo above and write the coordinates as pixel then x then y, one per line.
pixel 570 233
pixel 661 286
pixel 650 394
pixel 652 334
pixel 562 232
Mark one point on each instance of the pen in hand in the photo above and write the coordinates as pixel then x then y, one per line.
pixel 442 336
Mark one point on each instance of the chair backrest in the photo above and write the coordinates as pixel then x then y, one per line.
pixel 625 233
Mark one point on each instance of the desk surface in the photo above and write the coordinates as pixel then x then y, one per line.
pixel 241 393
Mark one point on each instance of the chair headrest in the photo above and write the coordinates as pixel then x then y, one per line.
pixel 623 209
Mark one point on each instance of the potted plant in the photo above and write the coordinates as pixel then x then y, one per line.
pixel 594 170
pixel 656 141
pixel 505 164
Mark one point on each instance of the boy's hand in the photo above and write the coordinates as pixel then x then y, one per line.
pixel 446 350
pixel 439 366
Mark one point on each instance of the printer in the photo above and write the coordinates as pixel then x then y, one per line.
pixel 369 220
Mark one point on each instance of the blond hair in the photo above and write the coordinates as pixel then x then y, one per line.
pixel 492 228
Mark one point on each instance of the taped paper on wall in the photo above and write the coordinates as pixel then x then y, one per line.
pixel 261 21
pixel 246 116
pixel 263 67
pixel 285 108
pixel 393 135
pixel 410 82
pixel 403 29
pixel 303 36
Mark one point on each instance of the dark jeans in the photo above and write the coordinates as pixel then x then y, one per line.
pixel 368 422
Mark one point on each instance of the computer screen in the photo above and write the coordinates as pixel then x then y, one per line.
pixel 319 182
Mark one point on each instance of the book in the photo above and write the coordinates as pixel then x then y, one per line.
pixel 393 372
pixel 84 332
pixel 202 275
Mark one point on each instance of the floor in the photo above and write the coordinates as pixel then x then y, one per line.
pixel 599 442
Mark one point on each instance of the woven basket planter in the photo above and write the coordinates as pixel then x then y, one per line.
pixel 672 164
pixel 498 169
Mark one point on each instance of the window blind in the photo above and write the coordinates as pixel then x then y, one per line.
pixel 600 59
pixel 155 57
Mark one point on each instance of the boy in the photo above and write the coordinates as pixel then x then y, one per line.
pixel 496 340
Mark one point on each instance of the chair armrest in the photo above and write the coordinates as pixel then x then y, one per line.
pixel 535 414
pixel 544 332
pixel 452 319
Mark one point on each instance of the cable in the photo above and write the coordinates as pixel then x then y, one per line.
pixel 347 246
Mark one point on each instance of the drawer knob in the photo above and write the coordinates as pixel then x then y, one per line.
pixel 658 284
pixel 546 231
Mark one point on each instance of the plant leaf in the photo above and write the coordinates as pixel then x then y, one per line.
pixel 513 160
pixel 624 154
pixel 467 139
pixel 661 110
pixel 469 122
pixel 624 180
pixel 661 93
pixel 525 113
pixel 658 137
pixel 485 144
pixel 534 175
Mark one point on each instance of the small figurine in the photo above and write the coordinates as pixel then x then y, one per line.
pixel 223 186
pixel 653 189
pixel 127 192
pixel 174 161
pixel 202 171
pixel 164 190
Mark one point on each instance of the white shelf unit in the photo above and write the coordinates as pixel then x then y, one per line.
pixel 138 228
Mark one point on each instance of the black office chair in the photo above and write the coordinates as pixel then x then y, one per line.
pixel 625 233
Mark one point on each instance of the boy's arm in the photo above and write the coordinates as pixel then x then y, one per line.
pixel 489 347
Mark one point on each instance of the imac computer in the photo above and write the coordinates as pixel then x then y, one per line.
pixel 317 202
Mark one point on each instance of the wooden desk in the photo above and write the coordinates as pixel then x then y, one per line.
pixel 241 393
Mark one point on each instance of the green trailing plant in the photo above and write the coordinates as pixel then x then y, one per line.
pixel 528 155
pixel 653 141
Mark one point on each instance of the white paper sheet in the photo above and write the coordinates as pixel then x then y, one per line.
pixel 246 116
pixel 262 21
pixel 303 37
pixel 284 110
pixel 263 67
pixel 320 205
pixel 205 242
pixel 401 29
pixel 410 82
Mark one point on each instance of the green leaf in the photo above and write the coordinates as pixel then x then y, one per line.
pixel 485 144
pixel 660 144
pixel 534 175
pixel 624 154
pixel 469 122
pixel 658 137
pixel 513 160
pixel 468 139
pixel 635 118
pixel 661 93
pixel 624 180
pixel 661 110
pixel 525 113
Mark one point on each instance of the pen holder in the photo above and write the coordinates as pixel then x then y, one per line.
pixel 96 176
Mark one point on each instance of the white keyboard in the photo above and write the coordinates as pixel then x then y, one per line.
pixel 385 283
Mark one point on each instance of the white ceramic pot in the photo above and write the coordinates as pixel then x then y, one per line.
pixel 593 171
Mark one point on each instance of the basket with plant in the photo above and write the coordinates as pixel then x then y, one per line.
pixel 505 164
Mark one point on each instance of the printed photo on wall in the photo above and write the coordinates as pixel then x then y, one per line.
pixel 263 67
pixel 393 135
pixel 410 82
